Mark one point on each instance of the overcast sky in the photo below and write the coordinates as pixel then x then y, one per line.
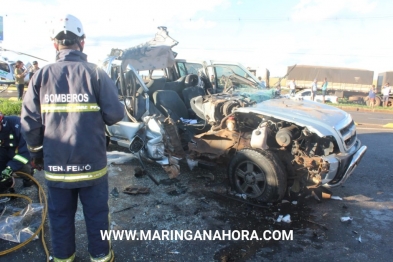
pixel 259 34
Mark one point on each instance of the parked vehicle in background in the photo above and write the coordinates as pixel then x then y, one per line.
pixel 350 83
pixel 7 68
pixel 306 94
pixel 270 144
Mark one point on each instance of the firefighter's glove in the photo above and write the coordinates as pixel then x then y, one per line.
pixel 6 174
pixel 37 163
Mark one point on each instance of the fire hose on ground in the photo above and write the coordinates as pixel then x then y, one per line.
pixel 43 201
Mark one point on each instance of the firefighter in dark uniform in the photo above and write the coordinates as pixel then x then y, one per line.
pixel 14 155
pixel 64 113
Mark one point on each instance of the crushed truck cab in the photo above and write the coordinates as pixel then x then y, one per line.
pixel 212 113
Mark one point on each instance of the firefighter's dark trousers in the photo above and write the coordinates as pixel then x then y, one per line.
pixel 62 205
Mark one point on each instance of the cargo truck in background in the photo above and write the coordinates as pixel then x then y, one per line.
pixel 350 83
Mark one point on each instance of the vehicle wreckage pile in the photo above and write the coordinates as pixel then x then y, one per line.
pixel 270 144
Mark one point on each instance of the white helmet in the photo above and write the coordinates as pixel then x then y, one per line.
pixel 68 23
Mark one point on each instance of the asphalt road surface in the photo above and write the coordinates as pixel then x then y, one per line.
pixel 195 202
pixel 371 118
pixel 9 92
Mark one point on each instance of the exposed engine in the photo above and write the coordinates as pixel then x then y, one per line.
pixel 215 108
pixel 300 151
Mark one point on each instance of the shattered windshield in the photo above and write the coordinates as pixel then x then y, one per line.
pixel 233 78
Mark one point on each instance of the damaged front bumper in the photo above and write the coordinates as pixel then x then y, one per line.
pixel 342 166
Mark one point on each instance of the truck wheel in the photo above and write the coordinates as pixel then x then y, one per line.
pixel 390 102
pixel 377 101
pixel 258 174
pixel 356 99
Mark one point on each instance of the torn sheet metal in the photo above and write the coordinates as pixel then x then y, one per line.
pixel 133 190
pixel 156 53
pixel 218 143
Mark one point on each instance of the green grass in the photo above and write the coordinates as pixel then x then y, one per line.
pixel 344 103
pixel 8 107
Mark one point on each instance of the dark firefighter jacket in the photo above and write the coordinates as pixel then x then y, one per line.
pixel 65 109
pixel 12 145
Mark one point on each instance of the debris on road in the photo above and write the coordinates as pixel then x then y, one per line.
pixel 345 219
pixel 192 163
pixel 243 201
pixel 336 198
pixel 174 252
pixel 113 224
pixel 124 209
pixel 208 175
pixel 244 196
pixel 359 239
pixel 180 189
pixel 139 172
pixel 326 195
pixel 287 219
pixel 321 225
pixel 279 219
pixel 136 190
pixel 169 181
pixel 115 192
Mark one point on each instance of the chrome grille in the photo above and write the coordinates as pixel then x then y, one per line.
pixel 349 134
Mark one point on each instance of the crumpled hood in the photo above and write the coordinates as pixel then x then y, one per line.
pixel 320 117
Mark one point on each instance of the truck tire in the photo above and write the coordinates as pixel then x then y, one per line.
pixel 377 101
pixel 357 99
pixel 258 174
pixel 390 102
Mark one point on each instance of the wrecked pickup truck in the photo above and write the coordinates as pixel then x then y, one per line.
pixel 271 145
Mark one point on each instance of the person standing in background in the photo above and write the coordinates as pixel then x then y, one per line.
pixel 385 93
pixel 20 78
pixel 324 89
pixel 213 82
pixel 314 89
pixel 371 96
pixel 34 69
pixel 292 87
pixel 278 89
